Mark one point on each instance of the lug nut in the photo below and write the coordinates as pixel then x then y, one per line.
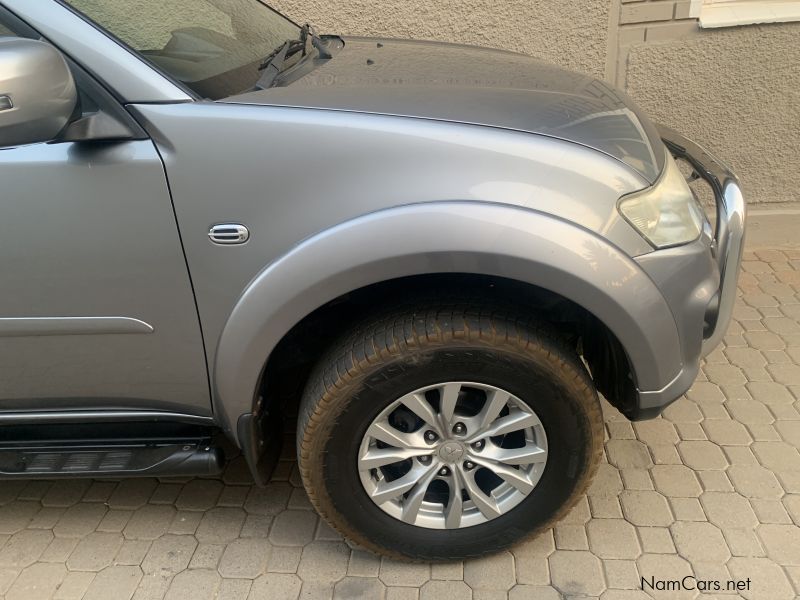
pixel 444 471
pixel 478 445
pixel 430 437
pixel 425 460
pixel 459 429
pixel 469 465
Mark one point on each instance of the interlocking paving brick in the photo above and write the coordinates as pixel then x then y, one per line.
pixel 531 559
pixel 132 552
pixel 526 592
pixel 166 493
pixel 17 515
pixel 777 456
pixel 646 508
pixel 612 538
pixel 256 526
pixel 781 543
pixel 675 480
pixel 702 455
pixel 698 541
pixel 361 587
pixel 24 548
pixel 576 572
pixel 275 586
pixel 95 552
pixel 728 510
pixel 494 572
pixel 74 586
pixel 59 550
pixel 199 584
pixel 665 567
pixel 437 590
pixel 269 500
pixel 621 574
pixel 115 520
pixel 199 494
pixel 118 583
pixel 656 540
pixel 293 528
pixel 234 589
pixel 327 561
pixel 571 537
pixel 768 579
pixel 80 520
pixel 66 493
pixel 286 560
pixel 445 571
pixel 395 573
pixel 220 525
pixel 207 556
pixel 625 454
pixel 131 494
pixel 149 522
pixel 727 433
pixel 46 518
pixel 245 558
pixel 37 582
pixel 185 522
pixel 169 553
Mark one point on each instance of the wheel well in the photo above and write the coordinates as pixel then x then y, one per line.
pixel 287 368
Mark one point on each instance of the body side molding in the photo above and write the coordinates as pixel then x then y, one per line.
pixel 39 326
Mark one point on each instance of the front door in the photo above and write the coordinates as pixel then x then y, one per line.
pixel 96 307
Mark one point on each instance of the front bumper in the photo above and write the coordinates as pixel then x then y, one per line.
pixel 699 280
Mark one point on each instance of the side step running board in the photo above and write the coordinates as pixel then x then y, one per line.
pixel 125 459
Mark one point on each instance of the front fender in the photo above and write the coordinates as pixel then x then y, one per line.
pixel 444 237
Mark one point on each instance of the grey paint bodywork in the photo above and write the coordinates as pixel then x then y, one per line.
pixel 342 182
pixel 464 84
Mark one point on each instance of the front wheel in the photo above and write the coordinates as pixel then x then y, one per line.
pixel 440 433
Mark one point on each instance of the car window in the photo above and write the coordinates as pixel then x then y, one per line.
pixel 213 47
pixel 4 31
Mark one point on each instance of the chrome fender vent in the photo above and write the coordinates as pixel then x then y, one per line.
pixel 228 233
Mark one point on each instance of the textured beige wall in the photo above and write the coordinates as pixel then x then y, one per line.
pixel 738 91
pixel 571 33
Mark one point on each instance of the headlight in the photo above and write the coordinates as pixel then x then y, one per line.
pixel 667 213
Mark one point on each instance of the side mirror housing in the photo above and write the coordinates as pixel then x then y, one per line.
pixel 37 92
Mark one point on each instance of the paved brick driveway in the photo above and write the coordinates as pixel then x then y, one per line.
pixel 712 488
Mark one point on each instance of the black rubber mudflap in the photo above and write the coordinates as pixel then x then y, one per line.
pixel 261 439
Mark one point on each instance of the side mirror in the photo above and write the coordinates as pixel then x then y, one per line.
pixel 37 93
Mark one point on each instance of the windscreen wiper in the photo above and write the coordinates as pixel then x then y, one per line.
pixel 273 64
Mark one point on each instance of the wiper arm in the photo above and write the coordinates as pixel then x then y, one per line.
pixel 273 64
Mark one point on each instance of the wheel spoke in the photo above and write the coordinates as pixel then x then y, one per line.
pixel 455 505
pixel 383 431
pixel 528 454
pixel 518 478
pixel 388 490
pixel 379 457
pixel 512 422
pixel 414 500
pixel 449 398
pixel 485 503
pixel 495 401
pixel 417 404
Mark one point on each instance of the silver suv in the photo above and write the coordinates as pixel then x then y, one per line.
pixel 434 256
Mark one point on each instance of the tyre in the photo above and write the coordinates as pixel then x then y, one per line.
pixel 447 432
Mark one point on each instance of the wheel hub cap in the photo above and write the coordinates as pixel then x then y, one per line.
pixel 452 455
pixel 451 452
